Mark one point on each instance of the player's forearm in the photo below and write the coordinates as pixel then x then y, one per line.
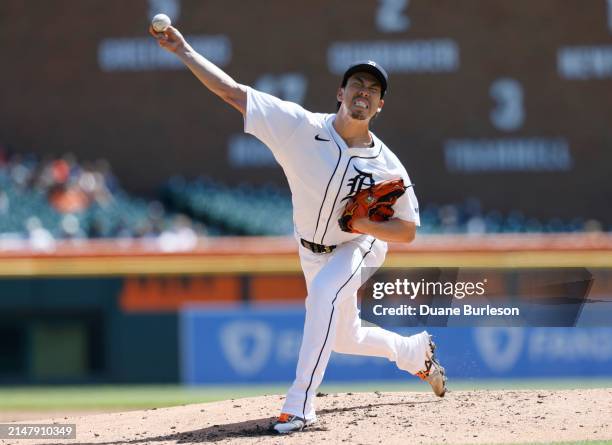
pixel 214 78
pixel 394 230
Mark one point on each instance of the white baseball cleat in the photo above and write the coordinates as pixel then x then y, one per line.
pixel 433 373
pixel 288 423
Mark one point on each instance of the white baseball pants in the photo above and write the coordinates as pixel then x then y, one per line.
pixel 333 324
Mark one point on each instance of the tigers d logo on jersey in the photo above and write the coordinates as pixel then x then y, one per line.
pixel 360 181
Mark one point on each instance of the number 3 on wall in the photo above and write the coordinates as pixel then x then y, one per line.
pixel 390 16
pixel 509 113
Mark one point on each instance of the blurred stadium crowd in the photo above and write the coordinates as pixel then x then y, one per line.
pixel 42 200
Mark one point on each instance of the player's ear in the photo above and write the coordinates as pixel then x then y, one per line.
pixel 381 103
pixel 340 94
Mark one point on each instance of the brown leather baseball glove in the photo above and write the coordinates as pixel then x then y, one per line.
pixel 375 202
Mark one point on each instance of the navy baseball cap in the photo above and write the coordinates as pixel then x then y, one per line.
pixel 368 66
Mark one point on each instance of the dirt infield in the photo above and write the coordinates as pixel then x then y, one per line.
pixel 365 418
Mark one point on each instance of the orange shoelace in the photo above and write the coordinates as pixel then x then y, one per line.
pixel 284 417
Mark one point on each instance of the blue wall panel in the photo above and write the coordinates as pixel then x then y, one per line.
pixel 261 344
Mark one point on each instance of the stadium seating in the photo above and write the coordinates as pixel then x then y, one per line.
pixel 105 210
pixel 240 210
pixel 266 210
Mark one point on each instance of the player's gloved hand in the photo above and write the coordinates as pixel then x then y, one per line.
pixel 375 203
pixel 381 212
pixel 171 39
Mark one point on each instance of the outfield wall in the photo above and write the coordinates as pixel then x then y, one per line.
pixel 261 345
pixel 109 311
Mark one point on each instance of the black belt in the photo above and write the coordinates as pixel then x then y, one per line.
pixel 316 248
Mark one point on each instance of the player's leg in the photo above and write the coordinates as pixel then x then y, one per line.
pixel 337 278
pixel 413 354
pixel 352 338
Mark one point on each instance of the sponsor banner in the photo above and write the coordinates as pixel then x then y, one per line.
pixel 168 293
pixel 258 344
pixel 246 344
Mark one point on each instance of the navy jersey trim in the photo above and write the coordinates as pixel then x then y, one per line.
pixel 314 235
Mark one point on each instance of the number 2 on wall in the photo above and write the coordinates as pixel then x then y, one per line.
pixel 390 16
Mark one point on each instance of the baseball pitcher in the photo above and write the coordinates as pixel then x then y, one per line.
pixel 351 195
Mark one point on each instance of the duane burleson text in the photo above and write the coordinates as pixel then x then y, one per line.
pixel 423 309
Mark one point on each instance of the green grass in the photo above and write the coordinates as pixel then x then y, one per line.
pixel 42 398
pixel 115 396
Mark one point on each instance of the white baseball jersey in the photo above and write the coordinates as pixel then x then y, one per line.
pixel 322 171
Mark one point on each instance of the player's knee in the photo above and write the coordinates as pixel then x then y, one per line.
pixel 346 341
pixel 342 345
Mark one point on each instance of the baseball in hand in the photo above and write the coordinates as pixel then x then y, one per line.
pixel 160 22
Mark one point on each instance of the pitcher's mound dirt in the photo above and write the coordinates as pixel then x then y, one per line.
pixel 366 418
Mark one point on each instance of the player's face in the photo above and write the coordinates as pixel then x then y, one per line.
pixel 361 96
